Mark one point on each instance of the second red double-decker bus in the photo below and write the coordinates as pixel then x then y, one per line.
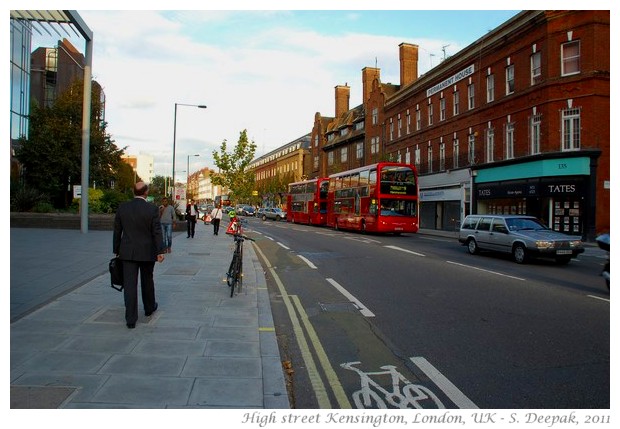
pixel 382 197
pixel 307 201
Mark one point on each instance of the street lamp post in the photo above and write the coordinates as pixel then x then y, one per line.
pixel 174 138
pixel 187 186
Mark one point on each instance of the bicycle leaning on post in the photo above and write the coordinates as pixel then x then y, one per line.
pixel 234 276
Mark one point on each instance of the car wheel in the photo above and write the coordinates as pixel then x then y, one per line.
pixel 264 218
pixel 519 253
pixel 472 246
pixel 278 218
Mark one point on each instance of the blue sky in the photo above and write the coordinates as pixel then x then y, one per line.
pixel 267 71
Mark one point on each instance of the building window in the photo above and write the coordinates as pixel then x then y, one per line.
pixel 344 131
pixel 490 88
pixel 316 162
pixel 359 150
pixel 374 145
pixel 417 157
pixel 536 68
pixel 442 156
pixel 571 61
pixel 316 140
pixel 535 134
pixel 490 144
pixel 510 79
pixel 430 158
pixel 391 129
pixel 471 149
pixel 471 101
pixel 430 114
pixel 455 106
pixel 455 153
pixel 571 129
pixel 330 158
pixel 408 157
pixel 418 120
pixel 442 109
pixel 375 115
pixel 408 122
pixel 400 125
pixel 343 154
pixel 509 151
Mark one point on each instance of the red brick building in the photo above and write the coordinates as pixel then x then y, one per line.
pixel 517 122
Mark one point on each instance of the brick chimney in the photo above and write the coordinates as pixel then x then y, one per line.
pixel 408 63
pixel 368 75
pixel 343 93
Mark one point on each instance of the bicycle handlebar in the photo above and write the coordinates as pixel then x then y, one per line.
pixel 242 237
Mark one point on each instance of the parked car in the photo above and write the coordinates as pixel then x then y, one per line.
pixel 247 211
pixel 273 213
pixel 523 236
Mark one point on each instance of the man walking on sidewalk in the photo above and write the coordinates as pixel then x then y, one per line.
pixel 138 242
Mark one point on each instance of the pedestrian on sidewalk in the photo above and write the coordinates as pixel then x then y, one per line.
pixel 191 213
pixel 216 218
pixel 138 242
pixel 166 217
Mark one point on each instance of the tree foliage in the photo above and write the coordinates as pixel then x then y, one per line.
pixel 233 168
pixel 52 155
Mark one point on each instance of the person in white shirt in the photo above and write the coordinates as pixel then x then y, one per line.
pixel 216 218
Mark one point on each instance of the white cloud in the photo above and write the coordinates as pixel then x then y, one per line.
pixel 270 80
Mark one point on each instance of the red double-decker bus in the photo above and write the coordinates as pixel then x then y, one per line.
pixel 382 197
pixel 306 202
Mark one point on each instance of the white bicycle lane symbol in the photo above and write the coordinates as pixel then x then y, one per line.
pixel 372 395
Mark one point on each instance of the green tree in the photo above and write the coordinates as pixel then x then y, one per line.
pixel 233 168
pixel 51 157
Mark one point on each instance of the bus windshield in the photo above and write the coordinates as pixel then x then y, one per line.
pixel 398 180
pixel 392 207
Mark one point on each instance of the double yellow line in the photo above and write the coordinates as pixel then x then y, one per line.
pixel 300 321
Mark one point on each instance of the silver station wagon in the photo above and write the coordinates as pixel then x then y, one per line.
pixel 522 236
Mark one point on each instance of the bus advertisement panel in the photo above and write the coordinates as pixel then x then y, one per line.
pixel 382 197
pixel 306 202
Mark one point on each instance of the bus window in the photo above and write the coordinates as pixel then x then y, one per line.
pixel 324 189
pixel 373 177
pixel 355 180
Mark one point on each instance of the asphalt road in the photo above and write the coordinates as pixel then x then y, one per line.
pixel 359 314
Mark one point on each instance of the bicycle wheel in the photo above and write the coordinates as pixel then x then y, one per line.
pixel 230 275
pixel 421 397
pixel 236 277
pixel 367 399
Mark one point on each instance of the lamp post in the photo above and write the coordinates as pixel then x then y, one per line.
pixel 174 138
pixel 187 186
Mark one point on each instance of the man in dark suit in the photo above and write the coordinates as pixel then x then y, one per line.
pixel 138 242
pixel 191 213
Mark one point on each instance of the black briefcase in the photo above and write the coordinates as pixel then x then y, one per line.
pixel 116 274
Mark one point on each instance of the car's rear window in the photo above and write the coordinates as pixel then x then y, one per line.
pixel 484 224
pixel 470 222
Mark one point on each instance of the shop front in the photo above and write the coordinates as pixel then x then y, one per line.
pixel 444 197
pixel 560 191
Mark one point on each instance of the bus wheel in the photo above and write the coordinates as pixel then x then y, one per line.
pixel 363 226
pixel 292 219
pixel 336 227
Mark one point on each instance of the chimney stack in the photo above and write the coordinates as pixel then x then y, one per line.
pixel 368 75
pixel 408 63
pixel 343 94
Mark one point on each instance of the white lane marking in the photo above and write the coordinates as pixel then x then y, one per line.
pixel 486 271
pixel 598 297
pixel 405 250
pixel 307 261
pixel 362 240
pixel 363 309
pixel 453 392
pixel 282 245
